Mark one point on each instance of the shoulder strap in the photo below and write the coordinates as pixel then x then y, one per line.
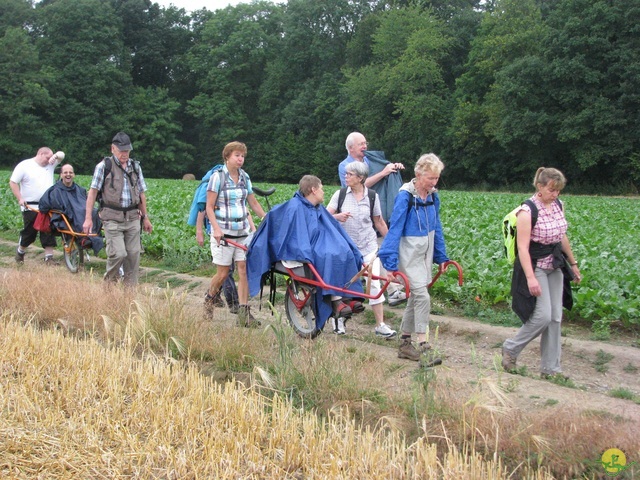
pixel 534 212
pixel 341 197
pixel 372 202
pixel 107 165
pixel 222 179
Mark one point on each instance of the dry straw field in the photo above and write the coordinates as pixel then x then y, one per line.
pixel 99 383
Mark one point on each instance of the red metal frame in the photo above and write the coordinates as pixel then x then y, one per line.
pixel 325 286
pixel 319 282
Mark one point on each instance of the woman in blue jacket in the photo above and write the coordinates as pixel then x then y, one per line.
pixel 414 242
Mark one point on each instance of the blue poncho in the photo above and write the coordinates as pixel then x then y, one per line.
pixel 298 230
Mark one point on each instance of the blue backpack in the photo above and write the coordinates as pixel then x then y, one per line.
pixel 199 202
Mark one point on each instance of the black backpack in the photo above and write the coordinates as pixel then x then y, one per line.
pixel 372 202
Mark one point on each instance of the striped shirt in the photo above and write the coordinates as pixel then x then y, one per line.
pixel 231 204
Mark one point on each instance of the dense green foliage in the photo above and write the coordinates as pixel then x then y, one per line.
pixel 603 233
pixel 496 88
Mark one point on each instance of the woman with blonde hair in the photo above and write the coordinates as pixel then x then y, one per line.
pixel 415 240
pixel 538 281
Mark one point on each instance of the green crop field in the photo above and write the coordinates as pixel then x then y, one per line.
pixel 602 230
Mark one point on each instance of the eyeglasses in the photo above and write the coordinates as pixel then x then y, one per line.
pixel 361 144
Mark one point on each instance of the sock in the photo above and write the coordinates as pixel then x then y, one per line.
pixel 405 337
pixel 49 255
pixel 20 251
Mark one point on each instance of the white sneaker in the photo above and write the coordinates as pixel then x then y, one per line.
pixel 383 330
pixel 332 324
pixel 397 297
pixel 341 330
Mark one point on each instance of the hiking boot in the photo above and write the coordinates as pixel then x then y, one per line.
pixel 210 304
pixel 508 361
pixel 428 357
pixel 384 331
pixel 408 351
pixel 396 298
pixel 50 262
pixel 19 257
pixel 233 308
pixel 245 319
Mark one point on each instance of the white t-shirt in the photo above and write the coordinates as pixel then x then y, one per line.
pixel 33 179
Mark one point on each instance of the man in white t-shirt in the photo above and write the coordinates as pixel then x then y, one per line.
pixel 28 182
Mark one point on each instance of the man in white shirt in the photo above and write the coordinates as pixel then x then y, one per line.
pixel 28 182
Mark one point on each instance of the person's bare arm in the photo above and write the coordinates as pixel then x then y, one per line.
pixel 381 225
pixel 386 171
pixel 146 222
pixel 200 228
pixel 15 188
pixel 524 237
pixel 255 205
pixel 88 220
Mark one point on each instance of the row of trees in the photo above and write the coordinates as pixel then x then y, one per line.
pixel 496 88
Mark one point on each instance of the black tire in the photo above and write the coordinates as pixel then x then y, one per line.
pixel 73 256
pixel 302 320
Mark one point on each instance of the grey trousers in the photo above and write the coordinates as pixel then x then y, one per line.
pixel 545 321
pixel 123 250
pixel 416 261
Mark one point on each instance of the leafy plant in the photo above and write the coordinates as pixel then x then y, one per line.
pixel 602 358
pixel 609 256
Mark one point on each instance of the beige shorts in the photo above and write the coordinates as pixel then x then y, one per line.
pixel 225 254
pixel 375 284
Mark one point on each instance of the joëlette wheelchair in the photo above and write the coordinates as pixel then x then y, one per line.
pixel 74 243
pixel 302 282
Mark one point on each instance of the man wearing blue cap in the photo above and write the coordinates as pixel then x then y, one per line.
pixel 119 185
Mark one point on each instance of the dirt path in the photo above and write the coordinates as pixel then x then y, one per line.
pixel 471 352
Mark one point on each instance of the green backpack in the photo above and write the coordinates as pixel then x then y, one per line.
pixel 509 229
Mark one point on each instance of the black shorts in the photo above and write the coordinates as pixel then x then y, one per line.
pixel 29 234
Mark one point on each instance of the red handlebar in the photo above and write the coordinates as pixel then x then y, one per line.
pixel 447 264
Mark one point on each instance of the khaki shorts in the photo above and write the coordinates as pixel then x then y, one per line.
pixel 225 254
